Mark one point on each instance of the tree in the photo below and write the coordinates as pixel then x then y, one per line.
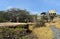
pixel 44 19
pixel 15 15
pixel 20 14
pixel 2 16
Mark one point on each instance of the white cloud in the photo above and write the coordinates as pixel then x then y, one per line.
pixel 35 12
pixel 9 7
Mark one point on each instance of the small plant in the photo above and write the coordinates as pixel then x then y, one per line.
pixel 12 33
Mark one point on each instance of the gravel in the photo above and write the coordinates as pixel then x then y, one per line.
pixel 56 32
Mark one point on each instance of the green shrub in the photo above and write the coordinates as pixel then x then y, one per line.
pixel 12 33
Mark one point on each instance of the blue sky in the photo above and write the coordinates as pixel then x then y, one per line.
pixel 34 6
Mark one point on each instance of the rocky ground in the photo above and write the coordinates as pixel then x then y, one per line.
pixel 56 32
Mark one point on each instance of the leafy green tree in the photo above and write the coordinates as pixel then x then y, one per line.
pixel 14 15
pixel 21 14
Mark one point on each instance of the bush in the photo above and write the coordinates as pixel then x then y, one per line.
pixel 12 33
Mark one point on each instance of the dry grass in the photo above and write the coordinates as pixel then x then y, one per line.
pixel 56 23
pixel 43 33
pixel 46 32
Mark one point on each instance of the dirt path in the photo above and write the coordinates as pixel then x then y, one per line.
pixel 56 32
pixel 14 24
pixel 47 32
